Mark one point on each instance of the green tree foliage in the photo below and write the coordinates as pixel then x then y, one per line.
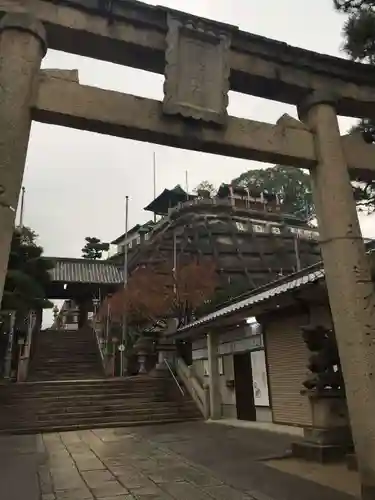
pixel 27 276
pixel 359 32
pixel 94 248
pixel 359 44
pixel 206 186
pixel 291 184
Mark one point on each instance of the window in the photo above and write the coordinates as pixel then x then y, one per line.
pixel 206 371
pixel 220 365
pixel 258 228
pixel 241 226
pixel 138 240
pixel 147 235
pixel 130 244
pixel 276 230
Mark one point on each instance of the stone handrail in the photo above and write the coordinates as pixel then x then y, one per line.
pixel 99 342
pixel 23 362
pixel 25 351
pixel 199 393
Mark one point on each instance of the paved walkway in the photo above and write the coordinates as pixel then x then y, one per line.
pixel 192 461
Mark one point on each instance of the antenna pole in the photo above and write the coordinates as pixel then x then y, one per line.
pixel 22 206
pixel 296 251
pixel 154 173
pixel 174 262
pixel 124 322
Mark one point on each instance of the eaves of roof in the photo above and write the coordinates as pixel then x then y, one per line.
pixel 85 271
pixel 261 295
pixel 294 281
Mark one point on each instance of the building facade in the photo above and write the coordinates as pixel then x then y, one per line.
pixel 132 240
pixel 262 366
pixel 242 369
pixel 68 316
pixel 246 233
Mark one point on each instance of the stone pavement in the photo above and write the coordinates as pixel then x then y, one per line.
pixel 192 461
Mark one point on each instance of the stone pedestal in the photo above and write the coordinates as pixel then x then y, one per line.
pixel 109 363
pixel 166 350
pixel 143 348
pixel 22 48
pixel 330 438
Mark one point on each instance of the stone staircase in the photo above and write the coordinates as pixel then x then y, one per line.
pixel 65 355
pixel 85 404
pixel 66 390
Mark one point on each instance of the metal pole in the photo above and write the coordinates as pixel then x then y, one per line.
pixel 154 172
pixel 187 184
pixel 126 237
pixel 8 357
pixel 296 251
pixel 107 325
pixel 123 339
pixel 174 263
pixel 22 206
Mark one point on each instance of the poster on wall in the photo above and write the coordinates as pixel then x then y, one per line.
pixel 260 383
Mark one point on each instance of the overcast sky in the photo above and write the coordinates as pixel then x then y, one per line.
pixel 76 181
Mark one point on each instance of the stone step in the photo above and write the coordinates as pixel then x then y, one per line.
pixel 89 423
pixel 44 406
pixel 55 367
pixel 128 382
pixel 38 428
pixel 86 350
pixel 58 377
pixel 70 405
pixel 96 411
pixel 95 416
pixel 65 355
pixel 68 369
pixel 94 385
pixel 87 395
pixel 67 390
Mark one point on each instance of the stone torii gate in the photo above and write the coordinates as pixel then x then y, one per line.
pixel 202 60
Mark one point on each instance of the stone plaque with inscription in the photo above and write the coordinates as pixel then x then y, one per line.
pixel 197 69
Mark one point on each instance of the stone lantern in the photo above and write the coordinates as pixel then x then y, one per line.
pixel 143 348
pixel 166 349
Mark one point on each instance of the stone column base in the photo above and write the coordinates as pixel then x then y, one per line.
pixel 367 492
pixel 321 453
pixel 324 445
pixel 160 370
pixel 351 461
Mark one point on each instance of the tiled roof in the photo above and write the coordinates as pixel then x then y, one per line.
pixel 294 281
pixel 85 271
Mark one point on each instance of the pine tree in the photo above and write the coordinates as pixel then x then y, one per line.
pixel 27 276
pixel 359 44
pixel 94 248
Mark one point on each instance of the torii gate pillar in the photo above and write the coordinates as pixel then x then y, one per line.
pixel 348 277
pixel 22 48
